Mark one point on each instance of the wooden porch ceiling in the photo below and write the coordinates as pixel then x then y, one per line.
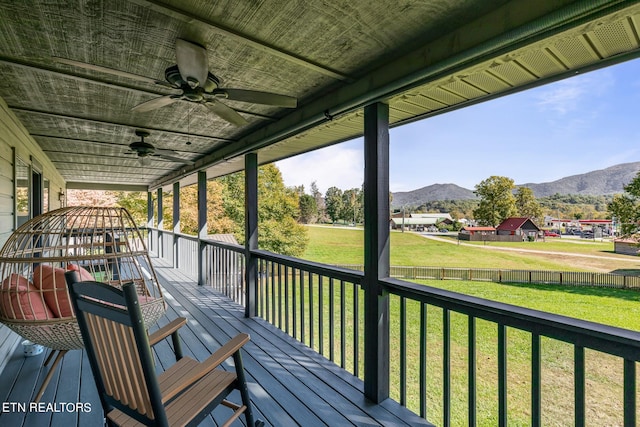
pixel 422 57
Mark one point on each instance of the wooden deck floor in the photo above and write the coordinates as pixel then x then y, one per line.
pixel 290 384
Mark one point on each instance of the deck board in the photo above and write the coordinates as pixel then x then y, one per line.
pixel 290 384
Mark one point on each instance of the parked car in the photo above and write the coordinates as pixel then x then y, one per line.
pixel 587 235
pixel 443 230
pixel 420 228
pixel 548 233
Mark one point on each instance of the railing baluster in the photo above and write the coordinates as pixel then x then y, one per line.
pixel 502 375
pixel 356 331
pixel 403 351
pixel 579 388
pixel 321 314
pixel 332 329
pixel 343 326
pixel 302 303
pixel 629 393
pixel 294 305
pixel 536 377
pixel 267 290
pixel 423 360
pixel 279 296
pixel 286 299
pixel 446 365
pixel 273 293
pixel 472 420
pixel 311 334
pixel 260 286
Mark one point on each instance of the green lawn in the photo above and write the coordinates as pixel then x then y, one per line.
pixel 609 306
pixel 581 246
pixel 333 245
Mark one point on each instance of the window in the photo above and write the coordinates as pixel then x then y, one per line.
pixel 22 192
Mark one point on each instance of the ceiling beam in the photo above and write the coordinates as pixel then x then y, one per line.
pixel 126 125
pixel 72 185
pixel 57 163
pixel 13 62
pixel 101 143
pixel 189 18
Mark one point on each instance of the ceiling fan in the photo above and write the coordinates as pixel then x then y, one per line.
pixel 145 150
pixel 196 84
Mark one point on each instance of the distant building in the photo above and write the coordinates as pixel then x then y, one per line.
pixel 481 230
pixel 477 233
pixel 629 245
pixel 518 227
pixel 423 220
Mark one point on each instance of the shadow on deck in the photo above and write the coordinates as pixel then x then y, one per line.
pixel 290 384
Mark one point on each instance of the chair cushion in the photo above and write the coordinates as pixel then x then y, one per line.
pixel 85 276
pixel 19 299
pixel 52 282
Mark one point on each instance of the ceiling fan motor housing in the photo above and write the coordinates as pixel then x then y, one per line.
pixel 143 149
pixel 173 76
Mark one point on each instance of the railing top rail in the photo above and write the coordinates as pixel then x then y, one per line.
pixel 313 267
pixel 213 242
pixel 609 339
pixel 230 246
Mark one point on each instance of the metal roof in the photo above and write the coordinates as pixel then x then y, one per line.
pixel 421 57
pixel 514 223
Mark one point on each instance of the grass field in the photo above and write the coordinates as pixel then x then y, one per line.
pixel 333 245
pixel 614 307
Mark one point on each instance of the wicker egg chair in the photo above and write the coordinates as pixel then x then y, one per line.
pixel 100 243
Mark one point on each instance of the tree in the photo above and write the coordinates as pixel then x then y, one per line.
pixel 527 205
pixel 135 202
pixel 352 209
pixel 496 200
pixel 625 211
pixel 278 209
pixel 320 206
pixel 626 207
pixel 308 209
pixel 333 203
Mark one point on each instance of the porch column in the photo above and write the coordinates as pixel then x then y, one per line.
pixel 202 227
pixel 160 224
pixel 150 220
pixel 376 251
pixel 176 223
pixel 251 232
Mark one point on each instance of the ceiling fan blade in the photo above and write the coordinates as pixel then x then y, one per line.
pixel 158 153
pixel 226 112
pixel 111 71
pixel 257 97
pixel 192 62
pixel 154 104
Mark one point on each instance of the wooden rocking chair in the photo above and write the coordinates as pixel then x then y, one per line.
pixel 120 355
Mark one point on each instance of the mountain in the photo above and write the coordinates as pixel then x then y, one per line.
pixel 431 193
pixel 597 183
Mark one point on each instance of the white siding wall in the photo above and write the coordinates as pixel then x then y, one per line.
pixel 13 136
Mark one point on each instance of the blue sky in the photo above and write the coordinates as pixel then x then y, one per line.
pixel 584 123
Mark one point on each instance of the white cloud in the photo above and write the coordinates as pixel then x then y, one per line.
pixel 337 165
pixel 569 95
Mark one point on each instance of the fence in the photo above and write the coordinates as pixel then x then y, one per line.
pixel 569 278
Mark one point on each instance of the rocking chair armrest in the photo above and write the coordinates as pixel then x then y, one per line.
pixel 190 374
pixel 223 353
pixel 166 330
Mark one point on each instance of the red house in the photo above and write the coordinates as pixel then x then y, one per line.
pixel 518 227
